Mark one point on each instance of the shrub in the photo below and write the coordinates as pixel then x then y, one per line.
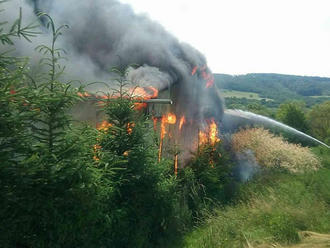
pixel 205 178
pixel 319 121
pixel 272 151
pixel 292 114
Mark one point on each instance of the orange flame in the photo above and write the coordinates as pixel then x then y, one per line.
pixel 130 127
pixel 202 138
pixel 144 92
pixel 136 93
pixel 210 83
pixel 104 126
pixel 154 119
pixel 213 133
pixel 210 136
pixel 194 70
pixel 171 118
pixel 95 149
pixel 140 105
pixel 163 127
pixel 182 121
pixel 166 119
pixel 208 77
pixel 162 135
pixel 154 92
pixel 83 94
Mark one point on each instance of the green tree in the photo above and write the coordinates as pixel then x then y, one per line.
pixel 260 109
pixel 48 184
pixel 141 206
pixel 319 121
pixel 292 114
pixel 206 177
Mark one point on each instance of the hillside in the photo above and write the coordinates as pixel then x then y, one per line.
pixel 278 87
pixel 275 209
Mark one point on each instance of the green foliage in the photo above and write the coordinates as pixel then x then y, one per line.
pixel 278 87
pixel 205 179
pixel 47 178
pixel 272 208
pixel 16 30
pixel 319 121
pixel 141 208
pixel 292 114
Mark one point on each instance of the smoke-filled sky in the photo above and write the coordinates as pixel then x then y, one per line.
pixel 245 36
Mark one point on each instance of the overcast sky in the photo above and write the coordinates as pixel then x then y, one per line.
pixel 244 36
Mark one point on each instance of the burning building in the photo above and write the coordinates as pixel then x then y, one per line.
pixel 105 34
pixel 184 115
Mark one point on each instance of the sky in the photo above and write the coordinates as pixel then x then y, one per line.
pixel 250 36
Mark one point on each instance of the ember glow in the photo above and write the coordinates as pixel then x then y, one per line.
pixel 84 94
pixel 210 136
pixel 213 133
pixel 205 74
pixel 194 70
pixel 96 148
pixel 208 77
pixel 154 120
pixel 143 92
pixel 170 118
pixel 182 121
pixel 130 127
pixel 103 126
pixel 137 94
pixel 202 138
pixel 176 164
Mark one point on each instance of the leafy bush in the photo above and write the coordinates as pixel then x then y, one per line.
pixel 319 121
pixel 292 114
pixel 271 151
pixel 205 179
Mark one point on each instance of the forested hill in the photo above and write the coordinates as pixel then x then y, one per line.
pixel 276 86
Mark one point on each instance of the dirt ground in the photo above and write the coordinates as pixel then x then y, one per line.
pixel 308 240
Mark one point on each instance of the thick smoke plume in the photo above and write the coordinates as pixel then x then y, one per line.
pixel 107 33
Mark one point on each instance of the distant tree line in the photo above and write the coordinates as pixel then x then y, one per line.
pixel 278 87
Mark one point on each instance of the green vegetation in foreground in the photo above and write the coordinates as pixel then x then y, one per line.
pixel 272 208
pixel 242 94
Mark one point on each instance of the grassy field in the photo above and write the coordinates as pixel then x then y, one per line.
pixel 242 94
pixel 272 211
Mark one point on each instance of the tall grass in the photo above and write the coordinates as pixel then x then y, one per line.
pixel 273 151
pixel 271 209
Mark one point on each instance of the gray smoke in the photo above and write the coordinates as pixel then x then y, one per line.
pixel 246 165
pixel 107 33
